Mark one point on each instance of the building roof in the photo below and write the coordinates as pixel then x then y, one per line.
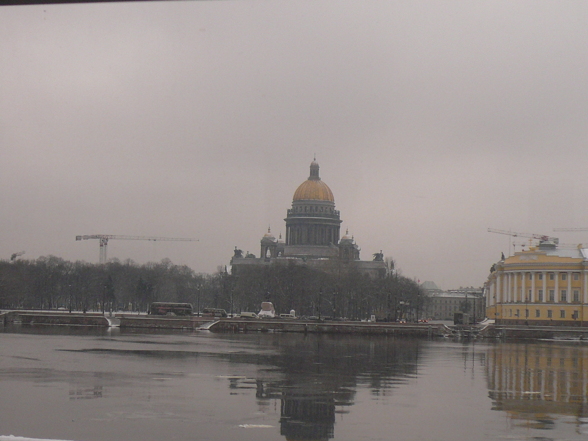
pixel 430 286
pixel 457 294
pixel 548 252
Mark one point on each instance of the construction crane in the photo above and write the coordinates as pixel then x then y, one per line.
pixel 15 255
pixel 572 230
pixel 104 238
pixel 540 237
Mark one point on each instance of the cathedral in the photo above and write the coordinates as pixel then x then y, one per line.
pixel 312 234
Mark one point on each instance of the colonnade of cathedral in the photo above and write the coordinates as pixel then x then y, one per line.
pixel 311 234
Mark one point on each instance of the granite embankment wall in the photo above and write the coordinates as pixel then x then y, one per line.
pixel 222 325
pixel 328 327
pixel 64 318
pixel 160 322
pixel 535 332
pixel 276 325
pixel 54 318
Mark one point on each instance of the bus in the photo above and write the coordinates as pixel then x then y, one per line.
pixel 170 308
pixel 214 312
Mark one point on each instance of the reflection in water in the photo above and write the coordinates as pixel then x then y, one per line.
pixel 307 416
pixel 269 387
pixel 315 378
pixel 81 393
pixel 533 383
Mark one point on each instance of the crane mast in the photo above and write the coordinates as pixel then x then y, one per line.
pixel 104 238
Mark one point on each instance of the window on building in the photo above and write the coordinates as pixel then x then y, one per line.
pixel 526 313
pixel 562 313
pixel 576 276
pixel 575 314
pixel 564 276
pixel 551 276
pixel 530 276
pixel 518 314
pixel 537 313
pixel 540 295
pixel 563 296
pixel 549 313
pixel 540 276
pixel 510 312
pixel 552 295
pixel 576 295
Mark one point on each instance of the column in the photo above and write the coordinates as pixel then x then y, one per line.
pixel 523 287
pixel 513 287
pixel 585 293
pixel 533 295
pixel 556 288
pixel 569 296
pixel 513 284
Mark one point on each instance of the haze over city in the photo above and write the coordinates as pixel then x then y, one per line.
pixel 431 122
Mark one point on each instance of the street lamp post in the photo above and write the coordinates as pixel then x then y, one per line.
pixel 401 309
pixel 334 303
pixel 198 299
pixel 103 298
pixel 320 302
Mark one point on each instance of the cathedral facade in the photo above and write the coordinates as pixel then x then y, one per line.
pixel 312 234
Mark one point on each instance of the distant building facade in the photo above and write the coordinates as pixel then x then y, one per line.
pixel 442 305
pixel 312 235
pixel 545 285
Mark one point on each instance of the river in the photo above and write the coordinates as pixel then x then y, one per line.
pixel 94 385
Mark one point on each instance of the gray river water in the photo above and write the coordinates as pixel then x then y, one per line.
pixel 92 385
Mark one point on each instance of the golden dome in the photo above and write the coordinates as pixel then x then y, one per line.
pixel 313 188
pixel 268 236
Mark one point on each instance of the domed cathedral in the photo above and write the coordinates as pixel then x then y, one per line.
pixel 312 233
pixel 312 224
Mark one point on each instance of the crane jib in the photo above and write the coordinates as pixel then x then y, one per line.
pixel 104 238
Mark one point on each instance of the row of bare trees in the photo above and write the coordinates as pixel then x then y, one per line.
pixel 54 283
pixel 342 292
pixel 51 283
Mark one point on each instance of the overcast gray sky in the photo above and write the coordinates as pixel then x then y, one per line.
pixel 431 122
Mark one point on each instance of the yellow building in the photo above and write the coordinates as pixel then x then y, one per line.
pixel 546 285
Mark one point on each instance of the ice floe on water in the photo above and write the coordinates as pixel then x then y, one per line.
pixel 247 426
pixel 21 438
